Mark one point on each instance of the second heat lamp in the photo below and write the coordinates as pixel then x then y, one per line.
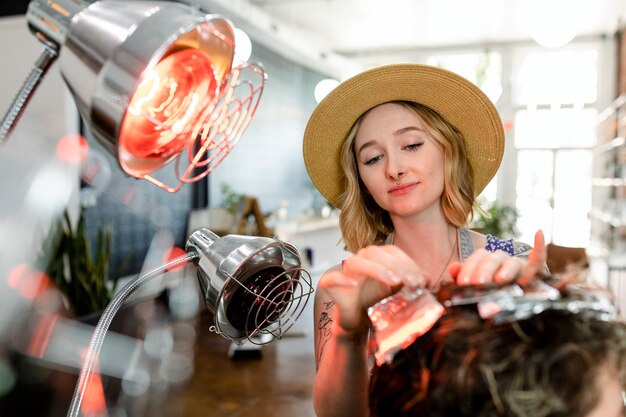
pixel 252 286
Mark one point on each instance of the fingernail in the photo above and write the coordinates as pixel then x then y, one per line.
pixel 347 283
pixel 505 274
pixel 391 276
pixel 415 280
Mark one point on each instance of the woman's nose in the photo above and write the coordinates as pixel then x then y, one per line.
pixel 395 168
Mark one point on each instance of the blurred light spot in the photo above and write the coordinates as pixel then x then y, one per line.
pixel 158 342
pixel 184 334
pixel 184 301
pixel 95 174
pixel 554 23
pixel 117 411
pixel 128 197
pixel 145 311
pixel 172 254
pixel 508 126
pixel 94 403
pixel 136 383
pixel 51 300
pixel 243 48
pixel 41 335
pixel 324 87
pixel 34 285
pixel 72 149
pixel 16 274
pixel 28 282
pixel 7 378
pixel 50 190
pixel 177 368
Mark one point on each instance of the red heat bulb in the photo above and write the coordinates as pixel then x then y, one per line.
pixel 164 109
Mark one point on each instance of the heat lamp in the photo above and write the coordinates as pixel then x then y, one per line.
pixel 252 286
pixel 154 81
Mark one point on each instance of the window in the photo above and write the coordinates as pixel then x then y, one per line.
pixel 556 77
pixel 485 70
pixel 554 174
pixel 482 68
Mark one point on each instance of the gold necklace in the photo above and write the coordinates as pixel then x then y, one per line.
pixel 456 242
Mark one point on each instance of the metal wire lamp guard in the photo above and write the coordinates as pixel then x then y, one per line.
pixel 153 80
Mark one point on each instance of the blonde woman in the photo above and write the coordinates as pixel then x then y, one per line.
pixel 403 151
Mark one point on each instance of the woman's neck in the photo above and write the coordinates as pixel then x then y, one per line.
pixel 429 237
pixel 432 245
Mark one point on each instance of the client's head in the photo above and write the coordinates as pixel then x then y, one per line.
pixel 560 362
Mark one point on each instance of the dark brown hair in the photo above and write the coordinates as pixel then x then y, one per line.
pixel 543 366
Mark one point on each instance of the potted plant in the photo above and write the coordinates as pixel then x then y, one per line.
pixel 497 220
pixel 81 277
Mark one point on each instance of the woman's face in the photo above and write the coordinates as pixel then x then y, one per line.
pixel 400 165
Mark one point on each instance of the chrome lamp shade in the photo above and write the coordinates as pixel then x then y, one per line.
pixel 153 80
pixel 113 72
pixel 251 285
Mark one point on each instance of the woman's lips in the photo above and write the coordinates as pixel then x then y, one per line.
pixel 402 189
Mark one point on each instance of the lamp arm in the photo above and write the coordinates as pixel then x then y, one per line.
pixel 97 338
pixel 46 58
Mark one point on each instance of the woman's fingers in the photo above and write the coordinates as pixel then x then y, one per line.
pixel 387 264
pixel 337 279
pixel 483 267
pixel 536 259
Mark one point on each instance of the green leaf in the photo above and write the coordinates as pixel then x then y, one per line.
pixel 76 273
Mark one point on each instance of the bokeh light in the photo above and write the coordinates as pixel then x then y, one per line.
pixel 172 254
pixel 324 87
pixel 243 48
pixel 72 149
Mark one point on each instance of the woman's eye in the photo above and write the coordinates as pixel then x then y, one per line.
pixel 413 146
pixel 372 160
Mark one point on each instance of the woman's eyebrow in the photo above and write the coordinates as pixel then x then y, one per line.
pixel 407 129
pixel 397 132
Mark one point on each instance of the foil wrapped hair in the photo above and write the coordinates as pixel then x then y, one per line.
pixel 401 318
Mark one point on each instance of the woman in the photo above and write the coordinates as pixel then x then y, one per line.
pixel 403 151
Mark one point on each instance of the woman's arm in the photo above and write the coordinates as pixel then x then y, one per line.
pixel 341 383
pixel 342 327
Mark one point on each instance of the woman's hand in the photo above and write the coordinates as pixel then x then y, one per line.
pixel 483 267
pixel 373 273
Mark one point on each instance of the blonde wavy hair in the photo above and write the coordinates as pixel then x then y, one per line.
pixel 363 222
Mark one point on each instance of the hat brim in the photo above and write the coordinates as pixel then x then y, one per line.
pixel 456 99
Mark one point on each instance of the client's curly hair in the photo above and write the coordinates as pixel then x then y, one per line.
pixel 544 366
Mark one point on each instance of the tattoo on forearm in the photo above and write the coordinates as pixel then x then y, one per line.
pixel 324 325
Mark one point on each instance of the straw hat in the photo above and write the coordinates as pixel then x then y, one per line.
pixel 458 100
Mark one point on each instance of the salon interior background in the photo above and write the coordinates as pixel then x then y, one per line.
pixel 549 99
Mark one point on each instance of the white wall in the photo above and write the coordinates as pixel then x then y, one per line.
pixel 34 184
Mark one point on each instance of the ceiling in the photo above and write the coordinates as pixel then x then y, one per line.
pixel 355 26
pixel 340 37
pixel 365 30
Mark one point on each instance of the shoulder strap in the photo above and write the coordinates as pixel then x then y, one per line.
pixel 466 247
